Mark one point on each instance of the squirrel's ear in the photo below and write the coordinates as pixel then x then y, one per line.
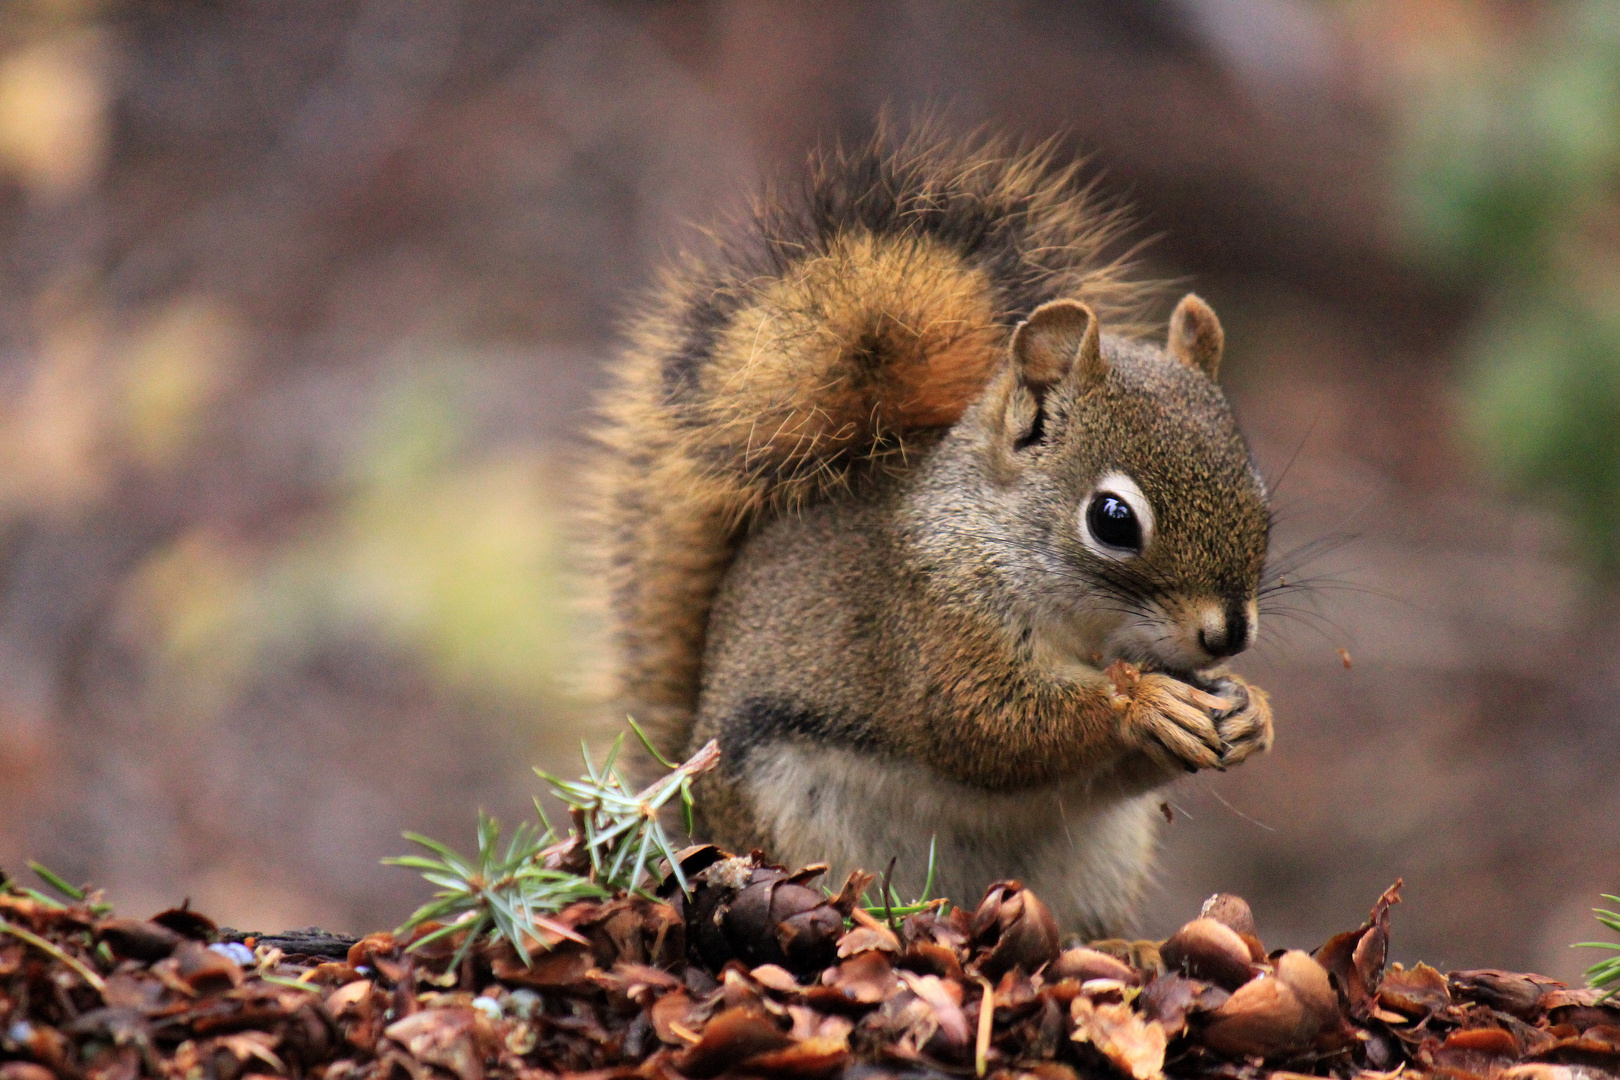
pixel 1196 337
pixel 1058 338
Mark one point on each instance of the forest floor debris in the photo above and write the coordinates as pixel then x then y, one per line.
pixel 760 973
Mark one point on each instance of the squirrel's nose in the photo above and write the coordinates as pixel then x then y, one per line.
pixel 1228 638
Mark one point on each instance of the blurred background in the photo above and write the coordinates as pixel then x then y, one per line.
pixel 302 308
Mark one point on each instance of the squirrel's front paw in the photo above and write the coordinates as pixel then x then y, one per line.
pixel 1178 724
pixel 1246 727
pixel 1172 722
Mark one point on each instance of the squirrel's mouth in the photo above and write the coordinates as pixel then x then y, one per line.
pixel 1206 681
pixel 1146 645
pixel 1171 655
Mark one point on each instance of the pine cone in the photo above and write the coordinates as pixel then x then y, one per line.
pixel 1016 927
pixel 744 908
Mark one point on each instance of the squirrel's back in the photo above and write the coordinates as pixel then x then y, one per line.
pixel 813 344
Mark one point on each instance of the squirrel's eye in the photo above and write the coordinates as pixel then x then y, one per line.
pixel 1116 519
pixel 1113 522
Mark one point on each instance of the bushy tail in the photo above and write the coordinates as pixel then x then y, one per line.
pixel 820 334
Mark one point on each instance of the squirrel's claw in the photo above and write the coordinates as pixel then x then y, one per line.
pixel 1246 727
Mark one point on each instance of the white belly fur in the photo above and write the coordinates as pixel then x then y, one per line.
pixel 1083 850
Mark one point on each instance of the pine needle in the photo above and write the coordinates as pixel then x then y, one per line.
pixel 56 881
pixel 987 1014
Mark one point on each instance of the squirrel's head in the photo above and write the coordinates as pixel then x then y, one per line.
pixel 1123 464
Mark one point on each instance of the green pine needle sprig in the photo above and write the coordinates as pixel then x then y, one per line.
pixel 503 892
pixel 621 830
pixel 1605 974
pixel 508 891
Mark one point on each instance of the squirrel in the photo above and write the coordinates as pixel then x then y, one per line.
pixel 882 507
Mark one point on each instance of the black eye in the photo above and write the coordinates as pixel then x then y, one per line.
pixel 1113 522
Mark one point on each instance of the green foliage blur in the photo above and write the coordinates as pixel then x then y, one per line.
pixel 444 550
pixel 1510 171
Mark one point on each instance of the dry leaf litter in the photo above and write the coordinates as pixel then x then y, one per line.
pixel 758 972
